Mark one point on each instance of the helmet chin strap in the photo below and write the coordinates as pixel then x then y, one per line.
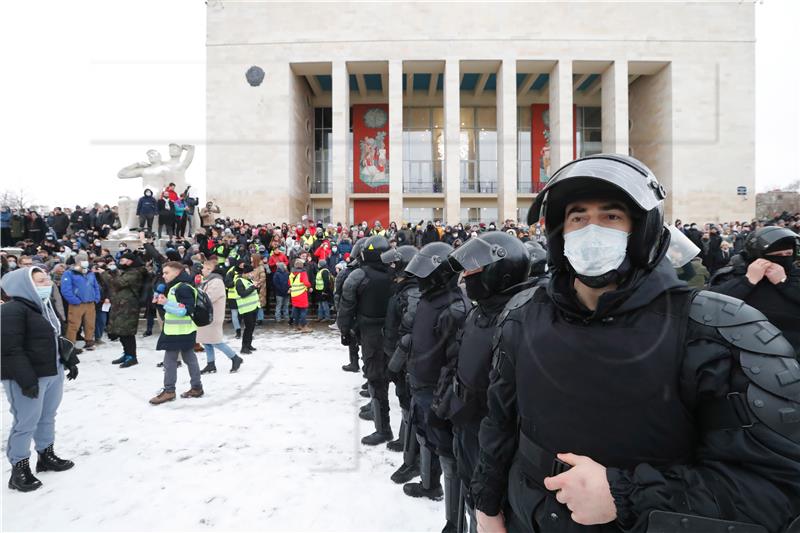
pixel 603 280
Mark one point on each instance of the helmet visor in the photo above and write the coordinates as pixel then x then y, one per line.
pixel 423 266
pixel 474 255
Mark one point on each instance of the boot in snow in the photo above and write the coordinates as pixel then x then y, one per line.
pixel 210 368
pixel 50 462
pixel 22 479
pixel 237 362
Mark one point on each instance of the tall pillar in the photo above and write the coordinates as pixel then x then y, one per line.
pixel 452 142
pixel 561 134
pixel 614 97
pixel 340 102
pixel 507 140
pixel 396 140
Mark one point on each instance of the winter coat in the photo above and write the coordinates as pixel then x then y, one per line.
pixel 28 347
pixel 301 300
pixel 17 227
pixel 147 206
pixel 105 218
pixel 185 295
pixel 214 287
pixel 78 288
pixel 207 215
pixel 275 258
pixel 60 223
pixel 430 235
pixel 166 213
pixel 125 286
pixel 280 282
pixel 5 219
pixel 260 281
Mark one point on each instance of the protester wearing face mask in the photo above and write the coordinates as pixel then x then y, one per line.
pixel 767 278
pixel 80 290
pixel 33 371
pixel 616 390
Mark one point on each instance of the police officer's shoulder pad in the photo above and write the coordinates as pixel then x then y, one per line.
pixel 719 310
pixel 520 299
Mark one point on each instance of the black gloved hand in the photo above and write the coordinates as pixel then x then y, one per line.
pixel 346 339
pixel 31 392
pixel 72 372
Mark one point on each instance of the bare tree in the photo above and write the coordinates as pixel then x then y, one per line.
pixel 15 199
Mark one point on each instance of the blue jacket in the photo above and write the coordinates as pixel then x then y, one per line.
pixel 77 288
pixel 147 206
pixel 280 280
pixel 5 219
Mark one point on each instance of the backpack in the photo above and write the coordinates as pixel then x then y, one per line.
pixel 203 308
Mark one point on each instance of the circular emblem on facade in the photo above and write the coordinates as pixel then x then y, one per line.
pixel 254 76
pixel 375 118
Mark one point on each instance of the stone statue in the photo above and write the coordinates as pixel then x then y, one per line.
pixel 156 175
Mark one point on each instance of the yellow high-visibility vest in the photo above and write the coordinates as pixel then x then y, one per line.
pixel 178 325
pixel 296 285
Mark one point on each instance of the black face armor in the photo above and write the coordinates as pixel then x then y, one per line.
pixel 503 258
pixel 606 176
pixel 398 258
pixel 771 239
pixel 430 265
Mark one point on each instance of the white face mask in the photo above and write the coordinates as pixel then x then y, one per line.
pixel 84 265
pixel 595 250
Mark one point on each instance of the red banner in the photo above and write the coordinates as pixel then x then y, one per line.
pixel 371 148
pixel 370 211
pixel 541 169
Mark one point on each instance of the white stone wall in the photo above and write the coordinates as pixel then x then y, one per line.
pixel 255 171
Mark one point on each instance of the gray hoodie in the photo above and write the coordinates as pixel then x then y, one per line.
pixel 19 284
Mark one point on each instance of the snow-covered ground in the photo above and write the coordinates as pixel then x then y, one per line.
pixel 274 447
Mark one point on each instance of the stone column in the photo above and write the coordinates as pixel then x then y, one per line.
pixel 614 96
pixel 561 134
pixel 396 140
pixel 507 140
pixel 340 103
pixel 452 136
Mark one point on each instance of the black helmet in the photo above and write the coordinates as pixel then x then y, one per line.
pixel 538 258
pixel 355 253
pixel 606 175
pixel 769 239
pixel 503 258
pixel 373 248
pixel 399 256
pixel 430 265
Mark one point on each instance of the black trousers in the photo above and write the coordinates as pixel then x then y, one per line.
pixel 248 322
pixel 128 344
pixel 401 388
pixel 375 362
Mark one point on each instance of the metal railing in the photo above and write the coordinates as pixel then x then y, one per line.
pixel 529 187
pixel 422 185
pixel 479 186
pixel 320 186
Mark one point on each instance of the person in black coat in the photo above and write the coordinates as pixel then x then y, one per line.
pixel 32 373
pixel 176 302
pixel 166 215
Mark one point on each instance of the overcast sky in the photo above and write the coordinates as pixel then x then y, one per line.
pixel 96 83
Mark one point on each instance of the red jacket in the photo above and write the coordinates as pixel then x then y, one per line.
pixel 299 300
pixel 323 252
pixel 274 259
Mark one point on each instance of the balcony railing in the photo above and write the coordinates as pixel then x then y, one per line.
pixel 479 186
pixel 422 186
pixel 320 186
pixel 529 187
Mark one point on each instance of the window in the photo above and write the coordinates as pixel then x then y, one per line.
pixel 423 149
pixel 589 131
pixel 478 149
pixel 415 214
pixel 323 214
pixel 323 155
pixel 522 214
pixel 476 215
pixel 524 159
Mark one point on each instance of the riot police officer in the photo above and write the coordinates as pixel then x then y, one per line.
pixel 538 261
pixel 399 322
pixel 495 266
pixel 365 296
pixel 440 314
pixel 352 366
pixel 767 279
pixel 620 398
